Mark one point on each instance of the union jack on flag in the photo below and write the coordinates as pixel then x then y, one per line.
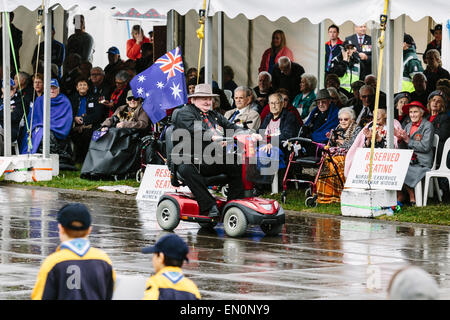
pixel 170 62
pixel 161 92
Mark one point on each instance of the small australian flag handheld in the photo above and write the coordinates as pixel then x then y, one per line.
pixel 162 85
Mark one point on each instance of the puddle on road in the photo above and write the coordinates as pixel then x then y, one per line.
pixel 313 258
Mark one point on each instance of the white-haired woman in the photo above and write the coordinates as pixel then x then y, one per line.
pixel 305 99
pixel 329 185
pixel 418 135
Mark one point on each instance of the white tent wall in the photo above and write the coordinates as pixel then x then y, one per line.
pixel 26 21
pixel 301 37
pixel 108 31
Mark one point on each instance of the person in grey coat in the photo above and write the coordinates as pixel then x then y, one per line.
pixel 417 135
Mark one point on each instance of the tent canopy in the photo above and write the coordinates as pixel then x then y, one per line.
pixel 316 11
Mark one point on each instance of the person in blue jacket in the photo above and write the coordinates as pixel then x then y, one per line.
pixel 323 118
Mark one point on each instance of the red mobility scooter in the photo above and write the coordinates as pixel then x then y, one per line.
pixel 236 215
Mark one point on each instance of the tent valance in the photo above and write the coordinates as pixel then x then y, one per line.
pixel 339 11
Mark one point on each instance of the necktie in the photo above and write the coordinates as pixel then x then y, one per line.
pixel 205 118
pixel 360 40
pixel 234 115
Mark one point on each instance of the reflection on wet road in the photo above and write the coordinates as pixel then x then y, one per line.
pixel 314 258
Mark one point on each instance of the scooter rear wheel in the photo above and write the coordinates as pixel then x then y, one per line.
pixel 234 222
pixel 167 215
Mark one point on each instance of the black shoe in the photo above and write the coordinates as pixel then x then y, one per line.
pixel 213 212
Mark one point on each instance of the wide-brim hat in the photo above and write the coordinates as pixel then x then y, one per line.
pixel 323 94
pixel 203 90
pixel 436 27
pixel 406 107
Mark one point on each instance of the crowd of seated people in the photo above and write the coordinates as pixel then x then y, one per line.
pixel 339 115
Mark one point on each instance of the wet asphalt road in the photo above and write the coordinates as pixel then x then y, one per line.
pixel 315 257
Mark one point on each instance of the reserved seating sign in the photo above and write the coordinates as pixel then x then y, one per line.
pixel 389 169
pixel 155 182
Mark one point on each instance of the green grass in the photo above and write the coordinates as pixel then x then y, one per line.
pixel 433 213
pixel 72 180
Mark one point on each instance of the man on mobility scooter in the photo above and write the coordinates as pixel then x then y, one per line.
pixel 196 146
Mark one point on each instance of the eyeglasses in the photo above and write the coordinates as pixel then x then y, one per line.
pixel 365 97
pixel 274 103
pixel 344 119
pixel 133 98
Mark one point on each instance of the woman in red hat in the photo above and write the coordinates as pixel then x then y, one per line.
pixel 418 135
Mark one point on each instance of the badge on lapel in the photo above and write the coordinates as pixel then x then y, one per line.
pixel 418 137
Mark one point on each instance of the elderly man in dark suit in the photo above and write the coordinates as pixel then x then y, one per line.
pixel 363 43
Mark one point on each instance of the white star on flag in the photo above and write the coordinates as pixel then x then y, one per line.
pixel 141 78
pixel 160 85
pixel 140 91
pixel 176 90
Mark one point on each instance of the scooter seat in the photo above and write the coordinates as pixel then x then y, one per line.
pixel 220 179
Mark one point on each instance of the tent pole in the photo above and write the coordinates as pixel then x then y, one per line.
pixel 390 82
pixel 6 88
pixel 220 49
pixel 321 60
pixel 208 48
pixel 47 79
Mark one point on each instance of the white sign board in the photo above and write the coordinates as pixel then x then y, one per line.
pixel 389 169
pixel 155 182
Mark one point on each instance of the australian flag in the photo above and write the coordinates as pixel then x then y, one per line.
pixel 162 86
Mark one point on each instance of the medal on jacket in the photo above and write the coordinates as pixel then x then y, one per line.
pixel 418 137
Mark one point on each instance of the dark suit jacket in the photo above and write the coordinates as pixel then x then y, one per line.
pixel 366 48
pixel 290 82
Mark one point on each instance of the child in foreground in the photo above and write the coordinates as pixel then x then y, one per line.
pixel 169 283
pixel 76 271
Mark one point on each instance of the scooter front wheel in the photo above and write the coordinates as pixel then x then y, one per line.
pixel 234 222
pixel 167 215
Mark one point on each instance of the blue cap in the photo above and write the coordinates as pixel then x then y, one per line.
pixel 11 82
pixel 72 212
pixel 171 245
pixel 54 83
pixel 113 50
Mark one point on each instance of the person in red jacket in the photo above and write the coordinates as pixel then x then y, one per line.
pixel 134 44
pixel 277 49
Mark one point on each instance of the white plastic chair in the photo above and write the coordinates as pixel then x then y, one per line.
pixel 418 188
pixel 442 172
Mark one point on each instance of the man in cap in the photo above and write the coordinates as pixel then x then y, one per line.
pixel 76 270
pixel 169 283
pixel 347 66
pixel 411 64
pixel 437 41
pixel 205 126
pixel 114 65
pixel 323 118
